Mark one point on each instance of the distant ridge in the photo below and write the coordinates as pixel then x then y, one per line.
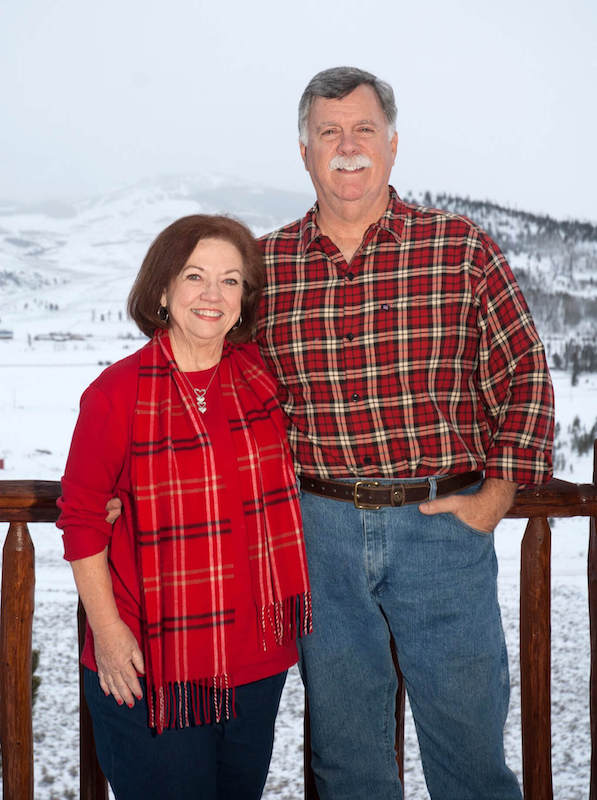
pixel 85 255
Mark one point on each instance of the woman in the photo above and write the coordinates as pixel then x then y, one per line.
pixel 196 594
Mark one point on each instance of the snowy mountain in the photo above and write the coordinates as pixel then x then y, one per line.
pixel 65 272
pixel 69 268
pixel 555 263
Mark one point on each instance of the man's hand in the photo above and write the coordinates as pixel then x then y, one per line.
pixel 113 510
pixel 482 510
pixel 118 659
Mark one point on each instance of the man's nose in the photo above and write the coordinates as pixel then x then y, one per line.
pixel 348 146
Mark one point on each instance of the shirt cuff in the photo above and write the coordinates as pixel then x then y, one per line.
pixel 524 466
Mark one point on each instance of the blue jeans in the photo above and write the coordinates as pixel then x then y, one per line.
pixel 431 582
pixel 219 761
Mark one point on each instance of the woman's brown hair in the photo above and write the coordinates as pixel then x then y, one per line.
pixel 169 253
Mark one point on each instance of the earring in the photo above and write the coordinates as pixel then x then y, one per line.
pixel 162 314
pixel 237 324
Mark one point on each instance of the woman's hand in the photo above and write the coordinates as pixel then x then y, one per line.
pixel 118 659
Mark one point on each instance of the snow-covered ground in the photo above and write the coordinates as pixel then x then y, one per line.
pixel 70 273
pixel 40 385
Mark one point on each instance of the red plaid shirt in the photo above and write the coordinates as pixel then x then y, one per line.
pixel 418 358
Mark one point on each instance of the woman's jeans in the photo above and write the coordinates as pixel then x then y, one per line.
pixel 431 582
pixel 218 761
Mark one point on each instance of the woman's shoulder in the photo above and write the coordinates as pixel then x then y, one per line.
pixel 249 355
pixel 119 380
pixel 248 351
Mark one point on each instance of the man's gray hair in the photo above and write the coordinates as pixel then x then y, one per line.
pixel 337 83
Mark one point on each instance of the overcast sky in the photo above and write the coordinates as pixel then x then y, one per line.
pixel 496 100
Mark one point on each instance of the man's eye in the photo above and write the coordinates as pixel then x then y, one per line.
pixel 328 132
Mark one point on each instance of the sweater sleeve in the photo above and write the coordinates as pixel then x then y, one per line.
pixel 95 462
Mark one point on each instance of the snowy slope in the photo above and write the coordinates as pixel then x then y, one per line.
pixel 70 274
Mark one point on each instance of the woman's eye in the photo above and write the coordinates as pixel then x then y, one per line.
pixel 193 276
pixel 231 282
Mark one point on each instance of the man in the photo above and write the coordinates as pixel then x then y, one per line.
pixel 418 399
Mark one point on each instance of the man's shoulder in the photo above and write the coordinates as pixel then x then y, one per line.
pixel 448 229
pixel 418 214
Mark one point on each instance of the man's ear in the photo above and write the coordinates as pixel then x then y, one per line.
pixel 394 143
pixel 303 149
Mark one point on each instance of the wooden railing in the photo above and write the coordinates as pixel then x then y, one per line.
pixel 22 502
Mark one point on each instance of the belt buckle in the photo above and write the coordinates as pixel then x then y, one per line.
pixel 398 495
pixel 367 485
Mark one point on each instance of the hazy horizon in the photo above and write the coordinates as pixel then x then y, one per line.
pixel 494 102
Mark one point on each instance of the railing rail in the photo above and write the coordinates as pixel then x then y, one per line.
pixel 24 501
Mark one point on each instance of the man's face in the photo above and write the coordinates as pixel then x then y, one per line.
pixel 346 133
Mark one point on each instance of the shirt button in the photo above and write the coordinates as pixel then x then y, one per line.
pixel 350 276
pixel 350 336
pixel 367 461
pixel 355 396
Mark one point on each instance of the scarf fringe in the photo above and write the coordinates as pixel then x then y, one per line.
pixel 184 704
pixel 287 619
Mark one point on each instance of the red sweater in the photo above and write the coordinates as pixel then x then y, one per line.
pixel 98 468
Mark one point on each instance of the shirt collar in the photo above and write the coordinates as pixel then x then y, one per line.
pixel 391 220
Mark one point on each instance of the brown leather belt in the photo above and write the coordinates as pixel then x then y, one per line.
pixel 372 494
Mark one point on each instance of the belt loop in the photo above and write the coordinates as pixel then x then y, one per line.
pixel 432 480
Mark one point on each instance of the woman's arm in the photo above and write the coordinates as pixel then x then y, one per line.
pixel 97 457
pixel 117 653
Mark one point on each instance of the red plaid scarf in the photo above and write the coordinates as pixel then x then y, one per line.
pixel 184 540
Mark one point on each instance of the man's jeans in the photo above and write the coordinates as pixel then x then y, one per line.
pixel 431 581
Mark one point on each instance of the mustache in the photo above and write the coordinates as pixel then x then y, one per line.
pixel 349 163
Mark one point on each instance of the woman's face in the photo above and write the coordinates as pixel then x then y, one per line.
pixel 204 300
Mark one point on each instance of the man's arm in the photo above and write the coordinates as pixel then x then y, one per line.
pixel 513 379
pixel 113 510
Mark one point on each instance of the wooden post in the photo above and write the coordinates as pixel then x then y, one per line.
pixel 535 659
pixel 399 715
pixel 16 623
pixel 92 784
pixel 311 792
pixel 592 576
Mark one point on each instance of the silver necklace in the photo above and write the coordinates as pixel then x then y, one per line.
pixel 200 393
